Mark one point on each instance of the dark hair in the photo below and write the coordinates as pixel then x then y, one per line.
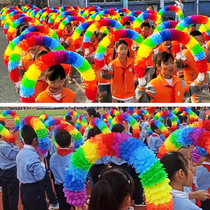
pixel 55 72
pixel 40 53
pixel 28 134
pixel 92 111
pixel 173 162
pixel 68 117
pixel 184 118
pixel 196 33
pixel 117 44
pixel 153 127
pixel 150 6
pixel 162 57
pixel 93 132
pixel 21 28
pixel 101 36
pixel 111 189
pixel 63 138
pixel 126 23
pixel 180 118
pixel 193 24
pixel 141 115
pixel 68 24
pixel 168 122
pixel 168 18
pixel 118 128
pixel 145 25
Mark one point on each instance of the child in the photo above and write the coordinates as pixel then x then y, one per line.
pixel 56 93
pixel 31 171
pixel 67 32
pixel 180 175
pixel 111 194
pixel 121 73
pixel 183 122
pixel 58 163
pixel 203 180
pixel 145 30
pixel 173 87
pixel 156 139
pixel 8 174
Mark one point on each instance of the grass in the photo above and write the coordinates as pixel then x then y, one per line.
pixel 52 113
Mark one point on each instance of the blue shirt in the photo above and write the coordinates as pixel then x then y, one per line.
pixel 53 148
pixel 182 126
pixel 116 160
pixel 29 167
pixel 58 165
pixel 144 130
pixel 8 154
pixel 203 177
pixel 155 141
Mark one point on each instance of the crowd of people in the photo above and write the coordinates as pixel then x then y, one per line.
pixel 111 182
pixel 170 67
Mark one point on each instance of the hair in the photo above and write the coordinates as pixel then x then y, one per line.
pixel 68 117
pixel 196 33
pixel 184 118
pixel 68 24
pixel 117 44
pixel 180 118
pixel 145 25
pixel 92 112
pixel 126 23
pixel 28 134
pixel 168 18
pixel 193 24
pixel 150 6
pixel 21 28
pixel 141 115
pixel 173 162
pixel 168 122
pixel 101 36
pixel 63 138
pixel 162 57
pixel 93 132
pixel 182 147
pixel 153 127
pixel 111 189
pixel 55 72
pixel 118 128
pixel 40 53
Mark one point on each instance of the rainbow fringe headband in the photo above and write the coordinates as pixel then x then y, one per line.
pixel 100 124
pixel 75 114
pixel 81 124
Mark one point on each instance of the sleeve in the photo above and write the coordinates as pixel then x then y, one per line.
pixel 85 134
pixel 189 90
pixel 144 94
pixel 21 65
pixel 10 153
pixel 144 131
pixel 108 74
pixel 162 137
pixel 158 142
pixel 37 168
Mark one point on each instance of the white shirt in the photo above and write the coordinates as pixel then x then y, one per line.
pixel 169 81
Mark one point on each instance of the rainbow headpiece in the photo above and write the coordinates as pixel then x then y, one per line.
pixel 123 10
pixel 160 126
pixel 169 35
pixel 127 19
pixel 14 116
pixel 76 135
pixel 53 122
pixel 15 57
pixel 134 152
pixel 112 37
pixel 192 116
pixel 53 58
pixel 40 131
pixel 130 120
pixel 197 153
pixel 100 124
pixel 108 117
pixel 142 111
pixel 27 7
pixel 114 112
pixel 44 14
pixel 91 9
pixel 45 117
pixel 111 12
pixel 66 7
pixel 81 124
pixel 135 13
pixel 12 29
pixel 34 12
pixel 166 24
pixel 75 114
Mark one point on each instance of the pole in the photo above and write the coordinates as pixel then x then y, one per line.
pixel 125 4
pixel 197 7
pixel 162 2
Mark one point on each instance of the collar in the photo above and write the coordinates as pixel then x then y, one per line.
pixel 63 151
pixel 179 194
pixel 29 147
pixel 206 165
pixel 63 93
pixel 184 123
pixel 165 83
pixel 3 142
pixel 119 64
pixel 155 135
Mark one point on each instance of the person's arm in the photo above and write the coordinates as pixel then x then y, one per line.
pixel 107 72
pixel 200 195
pixel 158 142
pixel 11 153
pixel 145 127
pixel 141 93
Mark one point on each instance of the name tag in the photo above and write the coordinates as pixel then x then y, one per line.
pixel 130 70
pixel 178 93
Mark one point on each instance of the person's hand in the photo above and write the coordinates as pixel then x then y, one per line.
pixel 200 195
pixel 142 82
pixel 150 117
pixel 104 69
pixel 41 158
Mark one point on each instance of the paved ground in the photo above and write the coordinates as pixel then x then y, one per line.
pixel 7 88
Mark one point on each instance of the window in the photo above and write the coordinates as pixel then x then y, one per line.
pixel 104 1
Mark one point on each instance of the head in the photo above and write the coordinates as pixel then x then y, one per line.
pixel 155 129
pixel 46 19
pixel 127 25
pixel 68 27
pixel 101 36
pixel 168 44
pixel 118 128
pixel 198 36
pixel 178 169
pixel 185 151
pixel 164 63
pixel 121 48
pixel 93 132
pixel 29 136
pixel 180 118
pixel 55 78
pixel 21 28
pixel 91 113
pixel 185 118
pixel 69 119
pixel 192 28
pixel 168 122
pixel 150 7
pixel 63 138
pixel 145 29
pixel 93 37
pixel 33 49
pixel 113 191
pixel 40 53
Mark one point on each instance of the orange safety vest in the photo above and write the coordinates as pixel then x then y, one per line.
pixel 122 82
pixel 67 96
pixel 27 60
pixel 164 93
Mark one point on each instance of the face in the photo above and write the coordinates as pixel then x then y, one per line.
pixel 68 28
pixel 87 117
pixel 149 8
pixel 168 44
pixel 33 49
pixel 166 69
pixel 145 31
pixel 186 153
pixel 93 38
pixel 122 50
pixel 192 28
pixel 199 39
pixel 127 26
pixel 56 86
pixel 189 178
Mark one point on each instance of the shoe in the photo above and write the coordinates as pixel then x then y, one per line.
pixel 0 188
pixel 54 206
